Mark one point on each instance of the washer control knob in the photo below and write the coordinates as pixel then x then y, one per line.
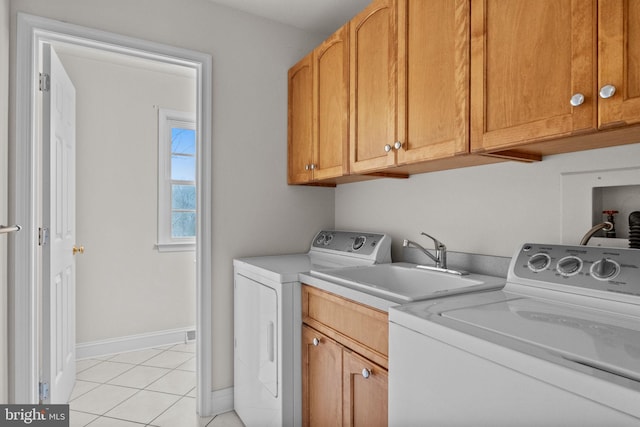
pixel 605 269
pixel 539 262
pixel 358 242
pixel 568 266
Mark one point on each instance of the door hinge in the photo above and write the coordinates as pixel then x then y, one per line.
pixel 43 236
pixel 44 391
pixel 45 82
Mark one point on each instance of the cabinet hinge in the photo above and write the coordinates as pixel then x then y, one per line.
pixel 45 82
pixel 43 388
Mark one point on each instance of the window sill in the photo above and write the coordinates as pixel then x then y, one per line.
pixel 176 247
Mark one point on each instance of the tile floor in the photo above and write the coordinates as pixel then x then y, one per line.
pixel 154 387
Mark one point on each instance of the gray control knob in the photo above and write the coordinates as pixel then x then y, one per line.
pixel 568 266
pixel 605 269
pixel 538 262
pixel 359 242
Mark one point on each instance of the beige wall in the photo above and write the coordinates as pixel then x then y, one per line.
pixel 124 285
pixel 485 209
pixel 254 211
pixel 4 142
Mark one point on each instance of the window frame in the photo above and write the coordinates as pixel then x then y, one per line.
pixel 168 119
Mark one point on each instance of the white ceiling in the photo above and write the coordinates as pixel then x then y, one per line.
pixel 317 16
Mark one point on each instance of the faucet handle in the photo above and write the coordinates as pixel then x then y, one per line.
pixel 438 244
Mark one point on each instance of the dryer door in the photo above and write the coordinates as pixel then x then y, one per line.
pixel 256 332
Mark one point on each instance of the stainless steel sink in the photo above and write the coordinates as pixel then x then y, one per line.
pixel 405 282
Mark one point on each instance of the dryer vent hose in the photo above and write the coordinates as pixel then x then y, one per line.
pixel 634 230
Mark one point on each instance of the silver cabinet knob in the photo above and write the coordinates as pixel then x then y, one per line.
pixel 316 341
pixel 366 373
pixel 577 99
pixel 607 91
pixel 387 148
pixel 312 166
pixel 397 145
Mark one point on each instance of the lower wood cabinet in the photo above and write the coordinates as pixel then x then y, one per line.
pixel 340 386
pixel 364 391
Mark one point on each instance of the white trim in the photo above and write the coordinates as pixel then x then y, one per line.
pixel 176 247
pixel 23 267
pixel 223 401
pixel 131 343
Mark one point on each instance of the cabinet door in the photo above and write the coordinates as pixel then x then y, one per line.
pixel 373 87
pixel 331 106
pixel 321 380
pixel 528 58
pixel 365 386
pixel 619 61
pixel 433 72
pixel 300 138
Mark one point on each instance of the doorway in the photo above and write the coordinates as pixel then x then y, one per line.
pixel 26 270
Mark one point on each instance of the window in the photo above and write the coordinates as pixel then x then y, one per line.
pixel 176 181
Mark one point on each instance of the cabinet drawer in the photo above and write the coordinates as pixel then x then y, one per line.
pixel 356 326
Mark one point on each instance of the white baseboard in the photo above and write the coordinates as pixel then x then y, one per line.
pixel 132 343
pixel 221 401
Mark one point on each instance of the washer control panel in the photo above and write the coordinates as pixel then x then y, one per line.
pixel 352 242
pixel 592 267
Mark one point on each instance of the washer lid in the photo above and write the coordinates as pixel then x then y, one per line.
pixel 599 339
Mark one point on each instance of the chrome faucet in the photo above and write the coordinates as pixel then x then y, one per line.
pixel 440 257
pixel 606 226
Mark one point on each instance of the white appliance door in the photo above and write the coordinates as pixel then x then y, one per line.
pixel 256 353
pixel 58 296
pixel 433 383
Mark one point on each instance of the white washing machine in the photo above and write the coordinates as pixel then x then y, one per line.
pixel 559 345
pixel 267 320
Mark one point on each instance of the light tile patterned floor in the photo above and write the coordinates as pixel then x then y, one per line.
pixel 153 387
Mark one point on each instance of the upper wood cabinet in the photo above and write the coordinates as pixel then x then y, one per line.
pixel 433 79
pixel 331 106
pixel 528 58
pixel 409 82
pixel 300 121
pixel 550 69
pixel 318 134
pixel 619 61
pixel 374 99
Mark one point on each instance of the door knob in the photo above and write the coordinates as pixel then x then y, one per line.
pixel 78 250
pixel 316 341
pixel 387 147
pixel 366 373
pixel 397 145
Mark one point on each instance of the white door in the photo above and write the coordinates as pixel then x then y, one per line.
pixel 58 277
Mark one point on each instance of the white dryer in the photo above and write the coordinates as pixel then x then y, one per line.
pixel 559 345
pixel 267 321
